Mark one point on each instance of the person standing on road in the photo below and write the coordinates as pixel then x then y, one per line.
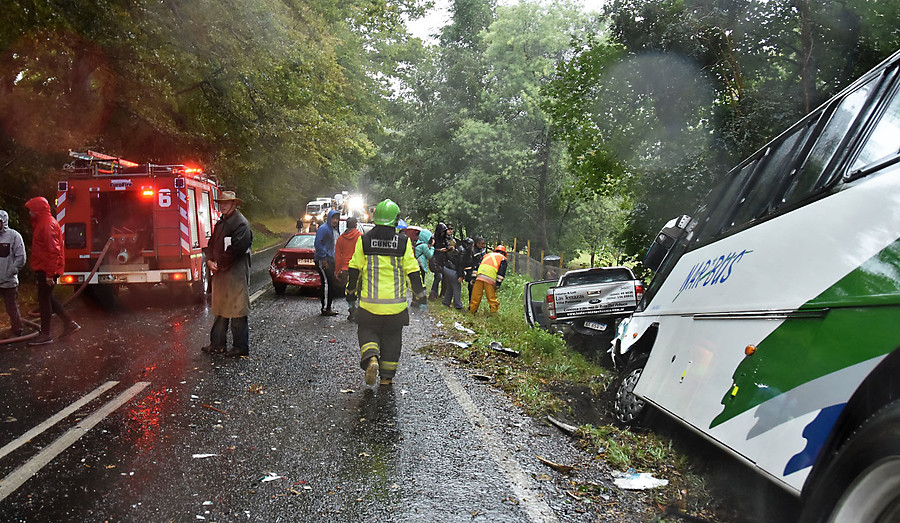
pixel 381 266
pixel 12 260
pixel 228 261
pixel 47 262
pixel 326 238
pixel 488 279
pixel 343 251
pixel 436 263
pixel 424 251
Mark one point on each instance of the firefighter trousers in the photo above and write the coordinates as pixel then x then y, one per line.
pixel 480 288
pixel 381 336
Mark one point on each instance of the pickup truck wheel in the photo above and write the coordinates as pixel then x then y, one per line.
pixel 862 481
pixel 628 408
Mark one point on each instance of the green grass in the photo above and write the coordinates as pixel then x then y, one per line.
pixel 271 230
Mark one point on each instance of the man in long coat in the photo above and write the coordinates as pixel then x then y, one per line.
pixel 228 261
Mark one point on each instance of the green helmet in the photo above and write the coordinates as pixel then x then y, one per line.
pixel 386 213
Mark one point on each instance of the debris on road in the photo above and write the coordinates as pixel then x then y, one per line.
pixel 564 469
pixel 460 327
pixel 202 456
pixel 210 407
pixel 460 344
pixel 481 377
pixel 497 346
pixel 565 427
pixel 633 480
pixel 271 476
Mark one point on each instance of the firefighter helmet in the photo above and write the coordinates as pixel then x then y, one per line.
pixel 386 213
pixel 501 249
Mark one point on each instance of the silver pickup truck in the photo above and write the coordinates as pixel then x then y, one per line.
pixel 588 302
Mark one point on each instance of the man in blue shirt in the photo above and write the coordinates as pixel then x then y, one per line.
pixel 326 236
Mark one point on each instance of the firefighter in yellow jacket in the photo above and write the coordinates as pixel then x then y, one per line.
pixel 381 268
pixel 490 274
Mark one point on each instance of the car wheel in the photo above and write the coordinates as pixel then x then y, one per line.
pixel 862 481
pixel 279 287
pixel 628 408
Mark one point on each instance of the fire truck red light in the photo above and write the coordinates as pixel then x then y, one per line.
pixel 147 193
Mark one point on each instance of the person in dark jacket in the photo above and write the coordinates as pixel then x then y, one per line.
pixel 12 260
pixel 228 261
pixel 441 247
pixel 48 263
pixel 326 238
pixel 454 274
pixel 478 252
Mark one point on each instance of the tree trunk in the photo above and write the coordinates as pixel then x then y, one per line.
pixel 542 194
pixel 806 61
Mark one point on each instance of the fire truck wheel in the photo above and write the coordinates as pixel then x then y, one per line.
pixel 200 288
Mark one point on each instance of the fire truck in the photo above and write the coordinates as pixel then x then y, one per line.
pixel 134 224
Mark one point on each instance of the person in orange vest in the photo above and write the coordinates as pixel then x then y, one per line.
pixel 343 252
pixel 488 278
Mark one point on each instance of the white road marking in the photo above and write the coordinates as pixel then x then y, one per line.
pixel 56 418
pixel 258 293
pixel 536 509
pixel 19 476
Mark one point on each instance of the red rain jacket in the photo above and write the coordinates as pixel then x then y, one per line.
pixel 47 240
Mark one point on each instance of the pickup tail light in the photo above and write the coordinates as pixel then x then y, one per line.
pixel 551 306
pixel 638 291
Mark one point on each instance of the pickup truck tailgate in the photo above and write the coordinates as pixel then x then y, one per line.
pixel 598 298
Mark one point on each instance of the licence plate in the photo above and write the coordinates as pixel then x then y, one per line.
pixel 305 261
pixel 595 325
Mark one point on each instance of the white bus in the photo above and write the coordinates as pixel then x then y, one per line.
pixel 772 324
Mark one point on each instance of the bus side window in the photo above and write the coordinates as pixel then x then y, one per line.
pixel 776 165
pixel 882 143
pixel 728 198
pixel 830 142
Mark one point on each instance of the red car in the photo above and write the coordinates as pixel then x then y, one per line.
pixel 294 265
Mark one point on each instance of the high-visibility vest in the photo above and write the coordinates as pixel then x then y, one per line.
pixel 383 265
pixel 487 271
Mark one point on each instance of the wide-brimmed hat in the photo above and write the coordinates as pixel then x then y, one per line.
pixel 229 196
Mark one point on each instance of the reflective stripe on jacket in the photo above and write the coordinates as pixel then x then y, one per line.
pixel 383 265
pixel 489 270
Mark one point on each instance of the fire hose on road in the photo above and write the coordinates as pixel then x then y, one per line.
pixel 78 291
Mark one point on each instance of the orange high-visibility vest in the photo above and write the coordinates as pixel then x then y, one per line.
pixel 487 271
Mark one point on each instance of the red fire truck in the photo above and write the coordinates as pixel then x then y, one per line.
pixel 135 224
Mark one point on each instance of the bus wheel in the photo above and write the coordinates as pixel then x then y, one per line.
pixel 862 481
pixel 628 408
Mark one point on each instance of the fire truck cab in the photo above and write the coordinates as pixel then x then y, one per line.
pixel 156 218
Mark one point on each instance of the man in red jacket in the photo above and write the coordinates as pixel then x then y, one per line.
pixel 343 251
pixel 48 263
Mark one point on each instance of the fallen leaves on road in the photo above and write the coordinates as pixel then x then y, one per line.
pixel 565 469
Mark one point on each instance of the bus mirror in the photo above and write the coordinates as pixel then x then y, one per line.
pixel 656 253
pixel 673 231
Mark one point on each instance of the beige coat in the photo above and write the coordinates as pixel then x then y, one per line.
pixel 229 247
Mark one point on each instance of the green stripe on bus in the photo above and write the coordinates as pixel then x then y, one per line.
pixel 862 323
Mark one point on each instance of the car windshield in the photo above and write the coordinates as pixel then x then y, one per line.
pixel 597 276
pixel 301 241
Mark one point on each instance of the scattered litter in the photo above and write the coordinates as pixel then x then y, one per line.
pixel 404 392
pixel 481 377
pixel 632 480
pixel 348 391
pixel 210 407
pixel 565 469
pixel 460 327
pixel 460 344
pixel 497 346
pixel 207 503
pixel 200 517
pixel 270 477
pixel 332 340
pixel 565 427
pixel 439 324
pixel 202 456
pixel 195 397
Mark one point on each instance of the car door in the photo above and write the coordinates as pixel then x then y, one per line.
pixel 535 303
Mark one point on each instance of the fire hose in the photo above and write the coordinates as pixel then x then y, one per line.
pixel 74 295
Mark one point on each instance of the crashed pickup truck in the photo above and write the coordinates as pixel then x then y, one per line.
pixel 588 302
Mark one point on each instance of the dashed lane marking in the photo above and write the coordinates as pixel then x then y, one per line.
pixel 19 476
pixel 522 486
pixel 56 418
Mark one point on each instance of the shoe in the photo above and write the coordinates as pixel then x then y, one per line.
pixel 329 312
pixel 209 349
pixel 236 353
pixel 70 328
pixel 42 339
pixel 372 371
pixel 386 383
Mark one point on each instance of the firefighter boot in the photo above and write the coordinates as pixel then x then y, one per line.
pixel 372 371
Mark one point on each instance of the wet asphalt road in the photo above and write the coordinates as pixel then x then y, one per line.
pixel 289 434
